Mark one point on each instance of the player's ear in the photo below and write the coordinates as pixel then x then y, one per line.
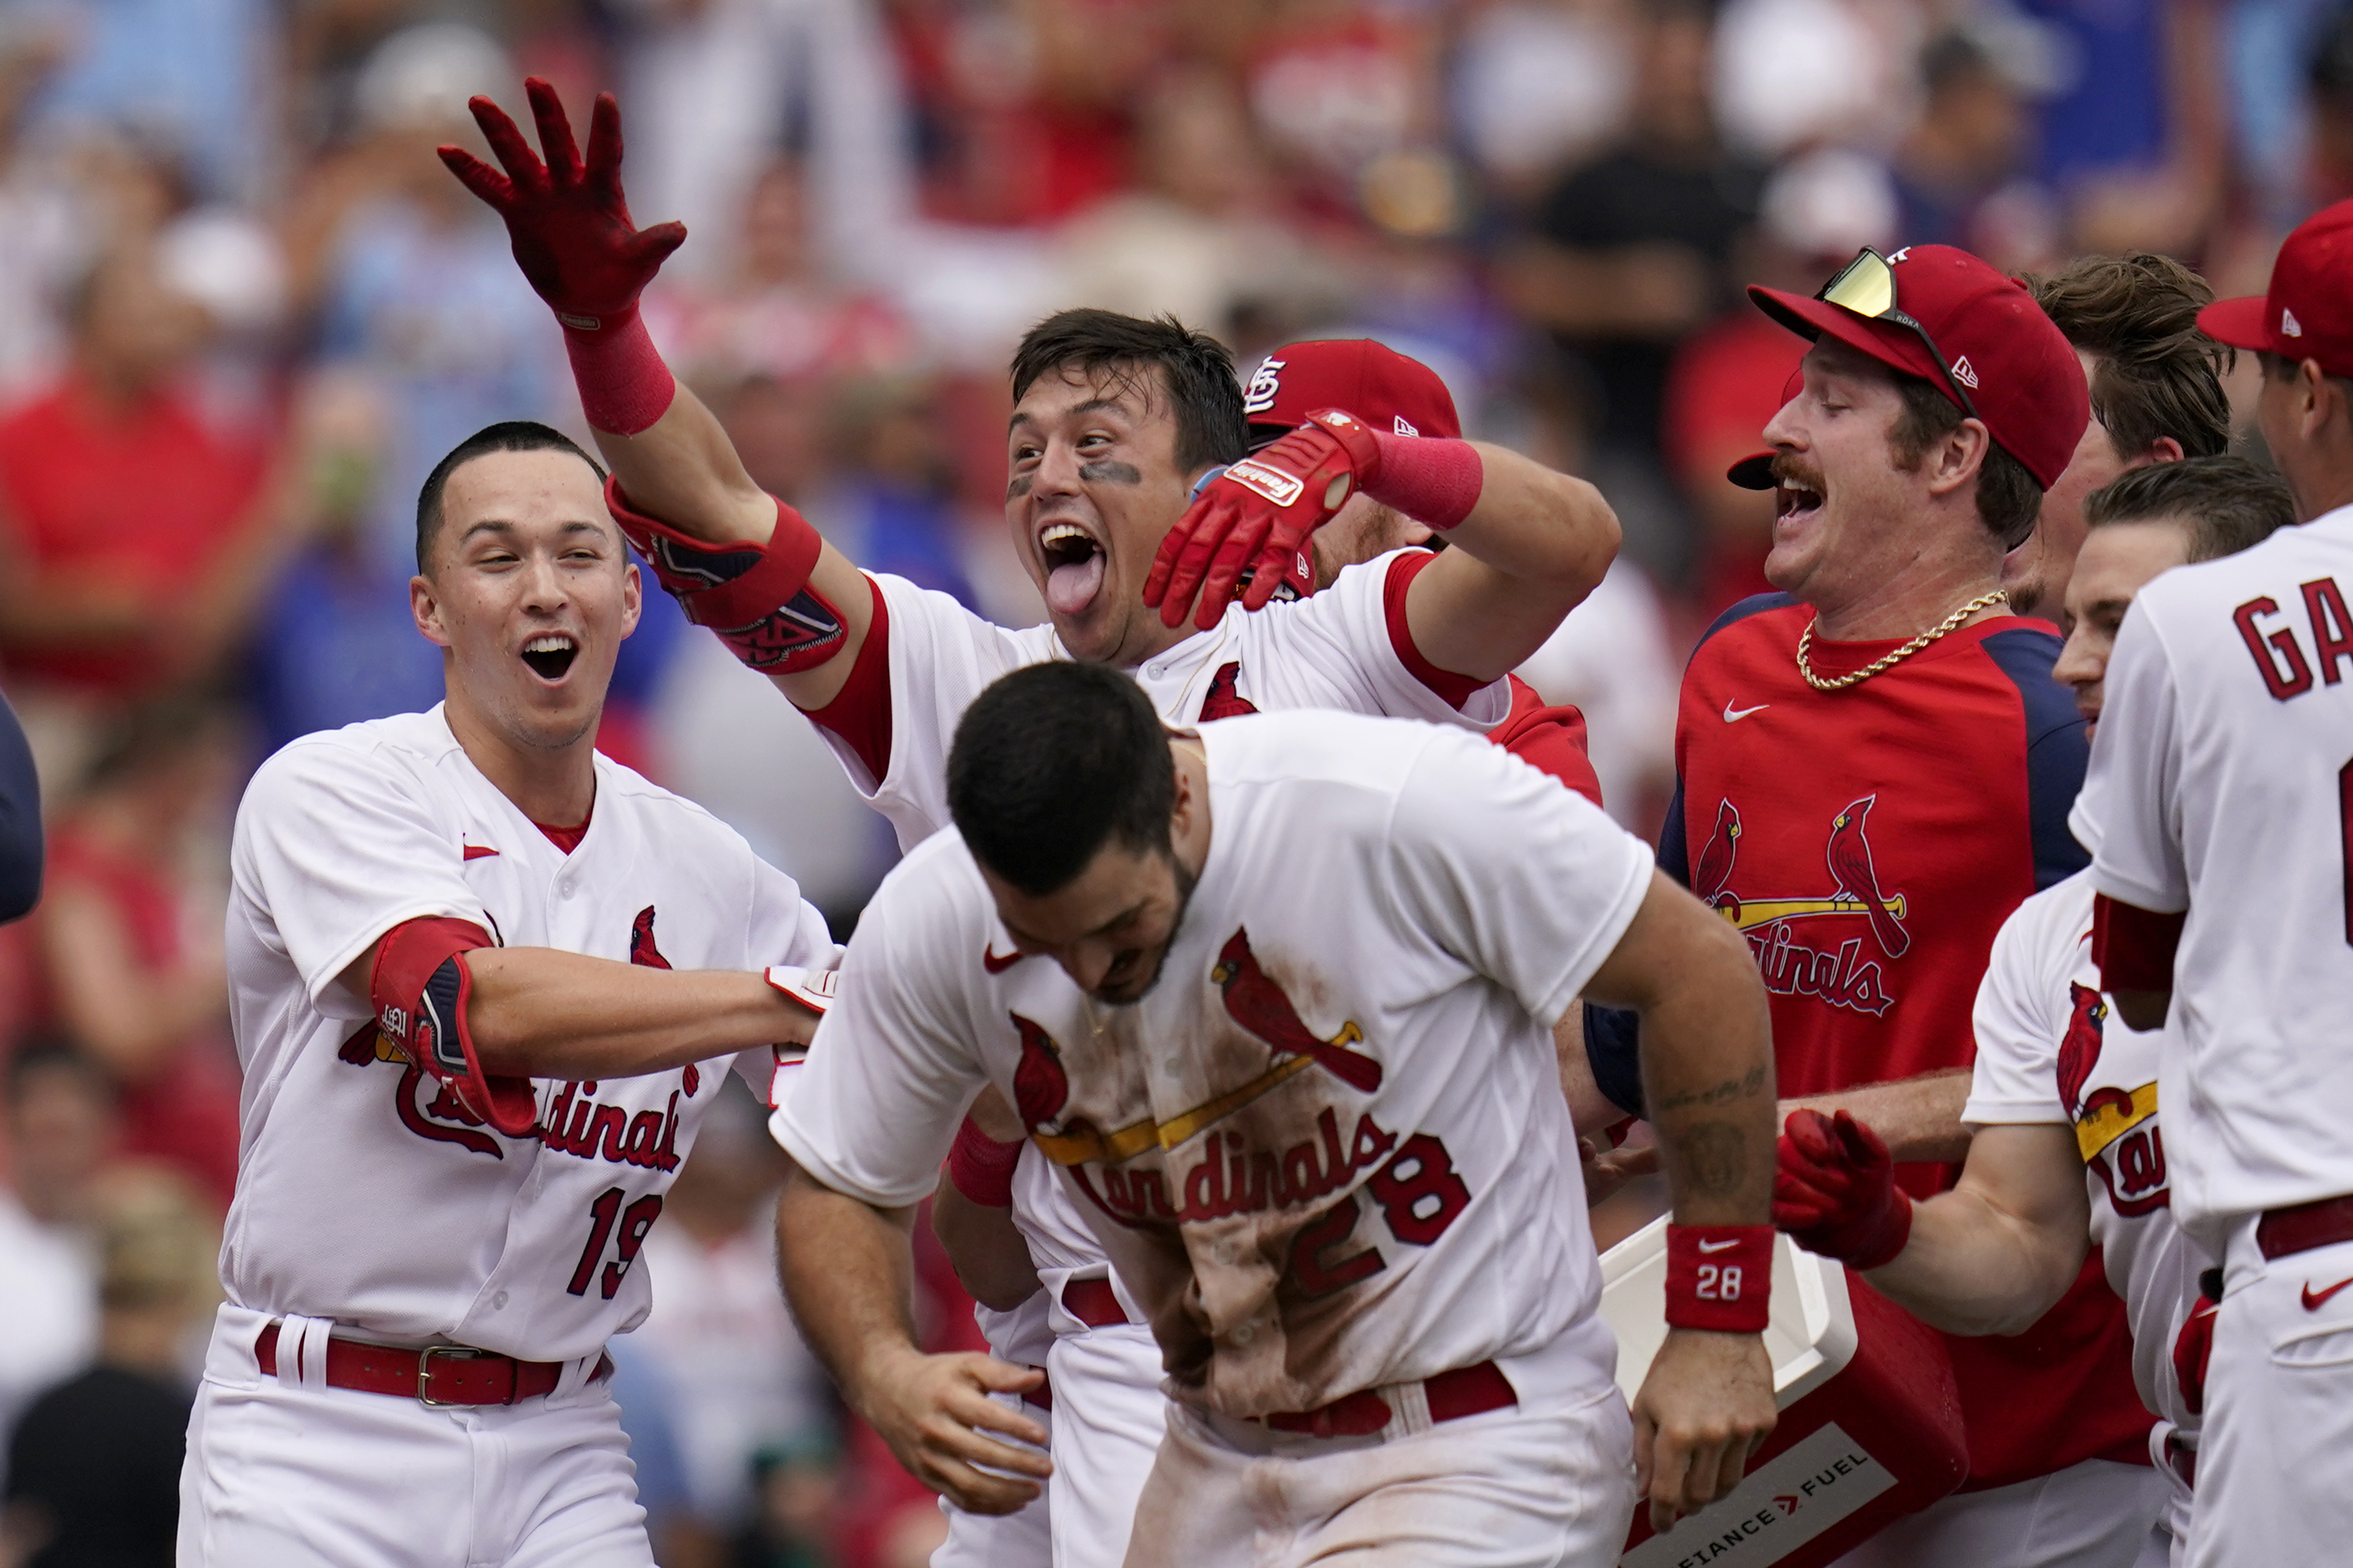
pixel 633 594
pixel 425 608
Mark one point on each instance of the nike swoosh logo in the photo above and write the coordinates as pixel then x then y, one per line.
pixel 996 963
pixel 2313 1303
pixel 1734 715
pixel 1719 1246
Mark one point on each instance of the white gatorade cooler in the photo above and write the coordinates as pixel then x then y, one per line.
pixel 1870 1427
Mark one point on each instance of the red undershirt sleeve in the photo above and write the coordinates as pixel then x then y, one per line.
pixel 860 714
pixel 2133 947
pixel 1451 688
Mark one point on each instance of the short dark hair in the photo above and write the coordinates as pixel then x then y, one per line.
pixel 507 435
pixel 2158 375
pixel 1197 369
pixel 2225 504
pixel 1054 762
pixel 2008 497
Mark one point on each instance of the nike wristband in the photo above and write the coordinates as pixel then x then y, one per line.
pixel 1719 1277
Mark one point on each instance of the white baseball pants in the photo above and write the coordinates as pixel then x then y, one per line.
pixel 286 1473
pixel 2275 1453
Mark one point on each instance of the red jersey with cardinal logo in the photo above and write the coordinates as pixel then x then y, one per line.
pixel 1869 842
pixel 1327 1150
pixel 367 1191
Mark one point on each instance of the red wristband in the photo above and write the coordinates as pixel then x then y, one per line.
pixel 2133 946
pixel 1719 1277
pixel 623 384
pixel 981 1167
pixel 1431 479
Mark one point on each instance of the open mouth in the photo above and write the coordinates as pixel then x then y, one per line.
pixel 549 655
pixel 1795 498
pixel 1075 567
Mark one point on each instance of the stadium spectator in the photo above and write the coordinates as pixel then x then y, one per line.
pixel 94 1463
pixel 61 1132
pixel 133 960
pixel 137 533
pixel 1631 252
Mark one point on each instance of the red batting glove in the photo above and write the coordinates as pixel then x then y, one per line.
pixel 1835 1193
pixel 571 232
pixel 1256 517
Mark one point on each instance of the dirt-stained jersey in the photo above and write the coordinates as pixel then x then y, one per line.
pixel 368 1194
pixel 1328 1152
pixel 2050 1050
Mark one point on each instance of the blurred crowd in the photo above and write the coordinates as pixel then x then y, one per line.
pixel 243 310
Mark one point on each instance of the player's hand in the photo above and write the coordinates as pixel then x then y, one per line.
pixel 1835 1190
pixel 571 228
pixel 1704 1408
pixel 936 1413
pixel 1256 517
pixel 1606 1169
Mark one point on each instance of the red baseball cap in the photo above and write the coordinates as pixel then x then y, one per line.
pixel 1372 381
pixel 2308 313
pixel 2021 371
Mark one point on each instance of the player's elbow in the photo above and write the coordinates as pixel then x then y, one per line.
pixel 1587 535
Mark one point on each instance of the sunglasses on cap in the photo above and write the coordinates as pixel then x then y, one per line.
pixel 1866 286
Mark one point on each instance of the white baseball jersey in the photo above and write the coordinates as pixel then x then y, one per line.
pixel 1336 649
pixel 366 1193
pixel 2050 1050
pixel 1328 1152
pixel 2222 753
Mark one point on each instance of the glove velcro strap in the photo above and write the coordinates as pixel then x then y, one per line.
pixel 756 596
pixel 1719 1277
pixel 419 987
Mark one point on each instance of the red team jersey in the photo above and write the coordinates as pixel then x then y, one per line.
pixel 1868 843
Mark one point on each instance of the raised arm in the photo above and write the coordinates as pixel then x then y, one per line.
pixel 790 604
pixel 1707 1068
pixel 1529 544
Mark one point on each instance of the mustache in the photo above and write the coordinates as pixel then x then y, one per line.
pixel 1786 465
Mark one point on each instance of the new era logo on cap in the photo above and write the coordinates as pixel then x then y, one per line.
pixel 1964 373
pixel 2308 312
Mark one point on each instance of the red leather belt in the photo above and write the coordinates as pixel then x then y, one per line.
pixel 437 1374
pixel 1093 1302
pixel 1465 1391
pixel 2282 1233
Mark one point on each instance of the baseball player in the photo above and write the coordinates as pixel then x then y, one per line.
pixel 1277 1009
pixel 484 984
pixel 1874 770
pixel 2224 884
pixel 1118 423
pixel 2063 1104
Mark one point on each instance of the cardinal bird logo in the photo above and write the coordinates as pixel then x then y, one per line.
pixel 1040 1086
pixel 2079 1048
pixel 1713 871
pixel 1848 853
pixel 642 950
pixel 1255 1002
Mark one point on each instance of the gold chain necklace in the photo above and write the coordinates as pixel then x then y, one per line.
pixel 1838 683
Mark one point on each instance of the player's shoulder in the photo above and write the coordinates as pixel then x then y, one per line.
pixel 1322 746
pixel 373 756
pixel 2052 919
pixel 927 617
pixel 621 787
pixel 933 894
pixel 1769 622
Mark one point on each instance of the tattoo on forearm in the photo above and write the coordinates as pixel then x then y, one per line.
pixel 1119 473
pixel 1730 1090
pixel 1714 1154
